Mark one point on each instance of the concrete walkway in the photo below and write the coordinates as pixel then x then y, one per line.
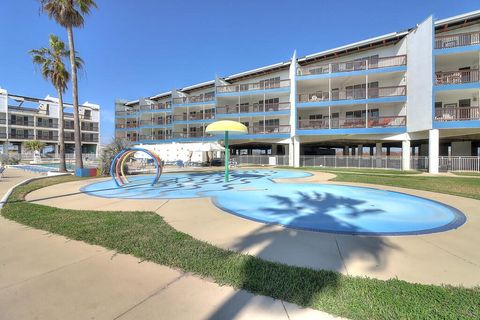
pixel 45 276
pixel 448 257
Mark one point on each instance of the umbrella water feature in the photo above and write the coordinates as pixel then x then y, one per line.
pixel 226 127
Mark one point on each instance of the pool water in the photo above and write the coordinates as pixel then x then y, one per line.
pixel 252 194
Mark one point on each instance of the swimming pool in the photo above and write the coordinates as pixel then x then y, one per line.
pixel 253 194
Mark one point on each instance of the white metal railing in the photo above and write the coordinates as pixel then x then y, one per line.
pixel 457 77
pixel 457 114
pixel 262 85
pixel 355 65
pixel 384 162
pixel 460 163
pixel 457 40
pixel 275 160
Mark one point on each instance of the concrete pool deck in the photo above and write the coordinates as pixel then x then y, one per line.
pixel 47 276
pixel 449 257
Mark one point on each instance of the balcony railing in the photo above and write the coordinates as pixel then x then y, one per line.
pixel 356 65
pixel 345 123
pixel 155 136
pixel 125 112
pixel 457 77
pixel 457 114
pixel 47 137
pixel 457 40
pixel 252 108
pixel 156 106
pixel 197 116
pixel 3 121
pixel 86 127
pixel 353 94
pixel 21 136
pixel 266 129
pixel 191 135
pixel 89 139
pixel 155 122
pixel 22 123
pixel 126 126
pixel 262 85
pixel 47 124
pixel 193 99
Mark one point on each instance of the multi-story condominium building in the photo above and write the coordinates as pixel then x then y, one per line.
pixel 24 118
pixel 416 91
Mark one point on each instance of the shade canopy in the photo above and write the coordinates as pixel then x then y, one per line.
pixel 222 126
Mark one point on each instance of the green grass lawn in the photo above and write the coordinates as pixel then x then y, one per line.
pixel 147 236
pixel 467 174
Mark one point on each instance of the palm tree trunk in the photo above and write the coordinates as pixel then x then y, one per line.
pixel 76 116
pixel 61 138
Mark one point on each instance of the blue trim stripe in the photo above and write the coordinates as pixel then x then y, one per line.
pixel 244 93
pixel 445 51
pixel 314 132
pixel 253 114
pixel 349 102
pixel 456 124
pixel 460 86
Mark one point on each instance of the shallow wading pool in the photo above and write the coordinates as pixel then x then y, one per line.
pixel 252 194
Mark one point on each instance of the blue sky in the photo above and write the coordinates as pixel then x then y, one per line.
pixel 137 48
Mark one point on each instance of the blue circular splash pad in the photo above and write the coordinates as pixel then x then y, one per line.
pixel 253 194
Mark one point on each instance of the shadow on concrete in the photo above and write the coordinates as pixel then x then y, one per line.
pixel 316 257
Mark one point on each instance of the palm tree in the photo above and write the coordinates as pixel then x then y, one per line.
pixel 53 69
pixel 69 14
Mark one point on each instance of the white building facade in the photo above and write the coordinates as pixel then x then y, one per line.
pixel 413 93
pixel 24 118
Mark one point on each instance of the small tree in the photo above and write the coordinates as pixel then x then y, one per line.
pixel 110 151
pixel 33 145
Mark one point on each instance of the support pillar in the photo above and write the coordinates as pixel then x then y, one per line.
pixel 378 155
pixel 406 155
pixel 290 153
pixel 360 150
pixel 433 150
pixel 274 150
pixel 296 152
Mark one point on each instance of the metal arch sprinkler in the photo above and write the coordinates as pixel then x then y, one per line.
pixel 117 165
pixel 226 127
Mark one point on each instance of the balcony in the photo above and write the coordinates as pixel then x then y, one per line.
pixel 194 99
pixel 155 122
pixel 125 113
pixel 3 121
pixel 356 65
pixel 47 137
pixel 23 136
pixel 262 85
pixel 349 123
pixel 197 116
pixel 353 94
pixel 29 123
pixel 45 124
pixel 254 108
pixel 126 126
pixel 156 106
pixel 191 135
pixel 457 77
pixel 457 40
pixel 89 138
pixel 266 129
pixel 89 126
pixel 457 114
pixel 155 136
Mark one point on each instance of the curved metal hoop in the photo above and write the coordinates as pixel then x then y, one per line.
pixel 116 167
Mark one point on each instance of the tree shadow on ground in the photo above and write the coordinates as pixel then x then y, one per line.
pixel 318 256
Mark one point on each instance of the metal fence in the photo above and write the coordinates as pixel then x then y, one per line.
pixel 463 163
pixel 261 160
pixel 450 163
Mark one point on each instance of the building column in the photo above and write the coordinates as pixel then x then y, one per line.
pixel 378 155
pixel 290 153
pixel 433 150
pixel 406 155
pixel 274 150
pixel 360 150
pixel 296 152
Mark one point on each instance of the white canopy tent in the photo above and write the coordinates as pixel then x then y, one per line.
pixel 195 152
